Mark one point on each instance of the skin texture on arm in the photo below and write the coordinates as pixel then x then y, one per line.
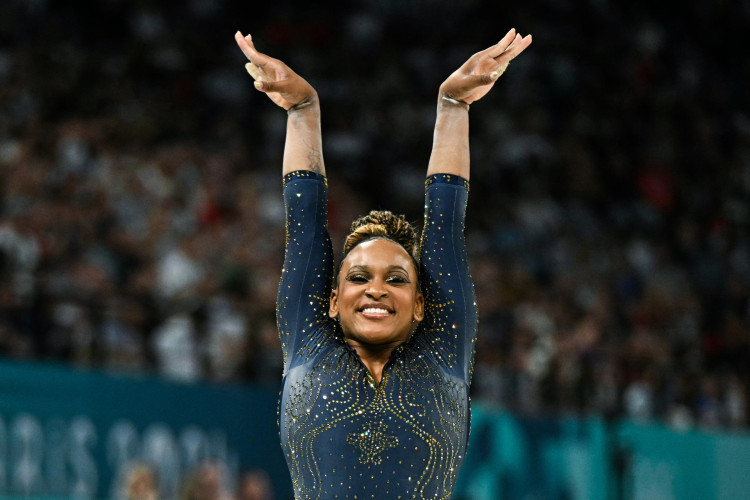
pixel 303 149
pixel 308 257
pixel 469 83
pixel 451 312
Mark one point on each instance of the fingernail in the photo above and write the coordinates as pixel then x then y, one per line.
pixel 494 75
pixel 238 33
pixel 258 85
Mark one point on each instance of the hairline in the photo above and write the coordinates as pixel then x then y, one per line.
pixel 386 237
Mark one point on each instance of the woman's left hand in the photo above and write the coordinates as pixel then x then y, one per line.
pixel 476 76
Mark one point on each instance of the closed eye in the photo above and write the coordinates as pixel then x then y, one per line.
pixel 357 278
pixel 397 280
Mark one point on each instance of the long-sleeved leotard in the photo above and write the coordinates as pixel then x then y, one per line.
pixel 344 435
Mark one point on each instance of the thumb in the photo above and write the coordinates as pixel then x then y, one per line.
pixel 473 81
pixel 280 86
pixel 263 86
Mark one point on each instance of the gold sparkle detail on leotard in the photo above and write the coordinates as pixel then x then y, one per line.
pixel 344 435
pixel 372 440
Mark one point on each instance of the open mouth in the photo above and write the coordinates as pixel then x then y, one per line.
pixel 376 311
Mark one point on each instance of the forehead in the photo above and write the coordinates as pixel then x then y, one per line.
pixel 378 252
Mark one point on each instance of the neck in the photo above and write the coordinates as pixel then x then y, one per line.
pixel 374 356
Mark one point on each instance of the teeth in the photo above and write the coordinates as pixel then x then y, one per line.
pixel 375 310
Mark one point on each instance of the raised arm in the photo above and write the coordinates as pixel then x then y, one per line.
pixel 304 290
pixel 450 303
pixel 303 149
pixel 469 83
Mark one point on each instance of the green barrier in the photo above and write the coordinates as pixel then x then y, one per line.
pixel 665 464
pixel 512 458
pixel 66 433
pixel 588 458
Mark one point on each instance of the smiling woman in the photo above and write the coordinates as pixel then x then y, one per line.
pixel 377 355
pixel 377 300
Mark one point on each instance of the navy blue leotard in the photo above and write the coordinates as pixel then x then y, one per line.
pixel 344 436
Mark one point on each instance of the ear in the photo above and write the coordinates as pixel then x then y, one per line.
pixel 333 308
pixel 419 308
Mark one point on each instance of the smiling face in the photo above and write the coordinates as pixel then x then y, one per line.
pixel 377 299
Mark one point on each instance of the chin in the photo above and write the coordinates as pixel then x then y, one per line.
pixel 376 338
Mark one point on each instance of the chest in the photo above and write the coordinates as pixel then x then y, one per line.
pixel 339 392
pixel 342 432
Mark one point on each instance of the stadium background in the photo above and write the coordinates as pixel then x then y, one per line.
pixel 609 223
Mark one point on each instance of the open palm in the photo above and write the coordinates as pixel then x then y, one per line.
pixel 477 76
pixel 277 80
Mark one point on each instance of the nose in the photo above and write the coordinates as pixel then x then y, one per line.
pixel 376 290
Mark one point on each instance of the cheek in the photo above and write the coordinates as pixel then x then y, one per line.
pixel 349 293
pixel 408 299
pixel 346 298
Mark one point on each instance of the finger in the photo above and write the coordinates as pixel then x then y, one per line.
pixel 258 58
pixel 513 43
pixel 244 46
pixel 248 48
pixel 505 55
pixel 471 82
pixel 502 45
pixel 253 70
pixel 519 45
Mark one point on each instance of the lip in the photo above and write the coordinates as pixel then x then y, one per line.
pixel 375 311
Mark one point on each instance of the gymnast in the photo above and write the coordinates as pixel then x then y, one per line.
pixel 378 350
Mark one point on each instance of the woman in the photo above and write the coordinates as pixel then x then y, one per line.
pixel 377 354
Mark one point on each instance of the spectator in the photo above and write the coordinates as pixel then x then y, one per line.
pixel 141 228
pixel 140 483
pixel 207 483
pixel 255 485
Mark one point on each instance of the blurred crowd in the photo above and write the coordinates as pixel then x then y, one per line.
pixel 141 220
pixel 209 481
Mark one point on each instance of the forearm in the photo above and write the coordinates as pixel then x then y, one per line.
pixel 308 260
pixel 450 144
pixel 303 149
pixel 446 284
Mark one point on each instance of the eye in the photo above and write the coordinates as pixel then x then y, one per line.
pixel 397 279
pixel 357 278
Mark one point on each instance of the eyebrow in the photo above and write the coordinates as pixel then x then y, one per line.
pixel 365 267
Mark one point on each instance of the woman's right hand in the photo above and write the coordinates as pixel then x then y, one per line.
pixel 277 80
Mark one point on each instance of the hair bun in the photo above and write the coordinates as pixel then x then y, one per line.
pixel 386 224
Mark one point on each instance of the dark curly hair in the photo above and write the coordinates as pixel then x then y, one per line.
pixel 382 224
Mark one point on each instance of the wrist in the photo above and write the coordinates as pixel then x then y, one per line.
pixel 308 103
pixel 447 98
pixel 449 102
